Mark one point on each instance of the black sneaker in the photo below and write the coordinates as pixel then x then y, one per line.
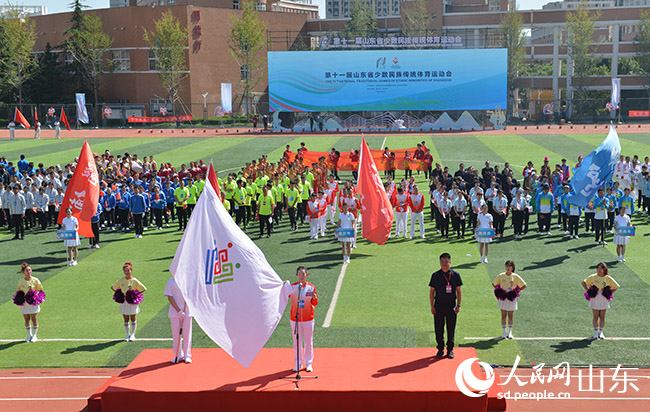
pixel 440 354
pixel 450 354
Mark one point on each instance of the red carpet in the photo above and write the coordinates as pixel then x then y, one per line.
pixel 368 379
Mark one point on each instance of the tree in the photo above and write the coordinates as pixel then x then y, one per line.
pixel 580 29
pixel 168 43
pixel 245 42
pixel 642 48
pixel 514 39
pixel 17 62
pixel 362 22
pixel 415 19
pixel 46 84
pixel 88 43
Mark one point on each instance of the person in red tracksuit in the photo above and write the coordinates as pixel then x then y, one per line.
pixel 416 204
pixel 303 301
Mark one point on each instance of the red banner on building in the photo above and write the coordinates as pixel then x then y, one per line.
pixel 639 113
pixel 143 119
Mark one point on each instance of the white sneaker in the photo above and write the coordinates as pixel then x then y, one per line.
pixel 74 263
pixel 188 360
pixel 90 246
pixel 309 368
pixel 539 233
pixel 623 259
pixel 482 259
pixel 485 260
pixel 126 339
pixel 166 224
pixel 596 336
pixel 422 237
pixel 601 336
pixel 35 339
pixel 576 237
pixel 96 246
pixel 510 335
pixel 566 232
pixel 131 338
pixel 295 369
pixel 28 339
pixel 504 336
pixel 596 243
pixel 548 233
pixel 619 259
pixel 603 243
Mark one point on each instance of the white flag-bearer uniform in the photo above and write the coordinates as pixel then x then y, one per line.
pixel 235 295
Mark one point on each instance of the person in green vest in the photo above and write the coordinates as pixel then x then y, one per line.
pixel 240 198
pixel 292 196
pixel 181 193
pixel 305 191
pixel 229 187
pixel 309 176
pixel 279 200
pixel 191 200
pixel 200 185
pixel 265 207
pixel 251 187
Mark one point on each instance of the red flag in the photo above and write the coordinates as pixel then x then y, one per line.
pixel 35 116
pixel 18 117
pixel 82 194
pixel 212 178
pixel 376 210
pixel 64 119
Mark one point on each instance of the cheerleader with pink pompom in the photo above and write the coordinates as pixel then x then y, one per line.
pixel 29 297
pixel 128 293
pixel 599 291
pixel 507 286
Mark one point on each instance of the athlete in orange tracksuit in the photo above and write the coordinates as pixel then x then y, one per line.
pixel 303 300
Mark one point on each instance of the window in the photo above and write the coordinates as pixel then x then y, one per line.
pixel 67 58
pixel 260 6
pixel 244 73
pixel 153 62
pixel 235 4
pixel 121 60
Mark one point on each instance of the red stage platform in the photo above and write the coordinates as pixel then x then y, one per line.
pixel 368 379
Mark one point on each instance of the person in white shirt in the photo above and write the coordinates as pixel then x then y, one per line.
pixel 346 221
pixel 42 201
pixel 485 221
pixel 416 204
pixel 518 205
pixel 180 318
pixel 445 210
pixel 16 202
pixel 458 206
pixel 500 207
pixel 12 130
pixel 70 223
pixel 621 240
pixel 401 212
pixel 37 130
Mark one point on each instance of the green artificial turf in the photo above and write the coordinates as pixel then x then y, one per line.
pixel 384 301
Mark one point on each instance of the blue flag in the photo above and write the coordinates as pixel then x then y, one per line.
pixel 594 170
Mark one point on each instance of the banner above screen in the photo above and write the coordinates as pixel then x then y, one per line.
pixel 349 81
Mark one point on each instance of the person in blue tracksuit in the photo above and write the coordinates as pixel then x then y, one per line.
pixel 171 204
pixel 94 223
pixel 158 204
pixel 574 213
pixel 601 205
pixel 545 203
pixel 109 203
pixel 123 198
pixel 138 207
pixel 627 202
pixel 612 210
pixel 563 208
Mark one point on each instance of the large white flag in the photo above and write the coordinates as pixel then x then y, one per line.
pixel 82 113
pixel 235 295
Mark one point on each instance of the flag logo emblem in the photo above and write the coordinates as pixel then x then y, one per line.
pixel 217 267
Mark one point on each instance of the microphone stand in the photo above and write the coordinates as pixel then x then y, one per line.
pixel 296 332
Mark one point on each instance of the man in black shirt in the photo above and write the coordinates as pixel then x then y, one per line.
pixel 444 294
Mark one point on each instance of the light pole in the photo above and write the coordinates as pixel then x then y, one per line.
pixel 205 106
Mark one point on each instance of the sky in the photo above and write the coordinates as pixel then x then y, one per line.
pixel 58 6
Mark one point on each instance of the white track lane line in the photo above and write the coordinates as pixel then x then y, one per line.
pixel 335 298
pixel 88 340
pixel 558 338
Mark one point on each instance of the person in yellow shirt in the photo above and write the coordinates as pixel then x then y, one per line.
pixel 305 192
pixel 240 198
pixel 265 208
pixel 251 188
pixel 128 295
pixel 192 198
pixel 507 286
pixel 29 297
pixel 292 197
pixel 181 194
pixel 599 288
pixel 229 187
